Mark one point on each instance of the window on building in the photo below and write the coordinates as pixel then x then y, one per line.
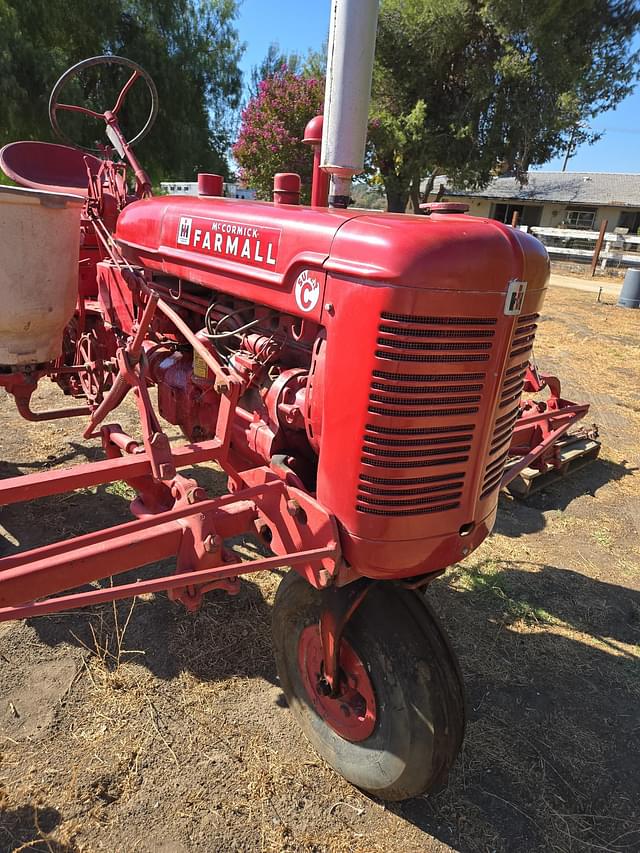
pixel 630 219
pixel 530 214
pixel 583 218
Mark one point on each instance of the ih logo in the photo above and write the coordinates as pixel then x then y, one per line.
pixel 307 291
pixel 515 297
pixel 184 231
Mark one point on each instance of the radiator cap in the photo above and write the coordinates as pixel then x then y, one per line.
pixel 444 207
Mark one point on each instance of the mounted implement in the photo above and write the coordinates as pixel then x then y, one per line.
pixel 542 447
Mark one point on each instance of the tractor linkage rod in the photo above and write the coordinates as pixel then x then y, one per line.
pixel 163 584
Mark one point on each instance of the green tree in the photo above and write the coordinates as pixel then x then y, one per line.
pixel 466 87
pixel 273 62
pixel 190 48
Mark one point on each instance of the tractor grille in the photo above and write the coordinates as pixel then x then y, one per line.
pixel 436 454
pixel 509 402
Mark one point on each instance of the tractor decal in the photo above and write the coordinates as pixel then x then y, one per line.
pixel 248 244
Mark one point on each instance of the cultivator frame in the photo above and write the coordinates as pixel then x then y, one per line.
pixel 173 515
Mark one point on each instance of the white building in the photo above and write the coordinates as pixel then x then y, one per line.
pixel 191 188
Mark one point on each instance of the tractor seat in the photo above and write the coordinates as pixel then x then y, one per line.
pixel 46 166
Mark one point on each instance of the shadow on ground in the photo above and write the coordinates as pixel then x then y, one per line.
pixel 167 639
pixel 27 828
pixel 551 756
pixel 522 517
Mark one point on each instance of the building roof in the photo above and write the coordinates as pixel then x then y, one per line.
pixel 615 189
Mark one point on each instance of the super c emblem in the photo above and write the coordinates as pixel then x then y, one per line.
pixel 307 291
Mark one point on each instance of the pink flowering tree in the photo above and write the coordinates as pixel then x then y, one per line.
pixel 272 128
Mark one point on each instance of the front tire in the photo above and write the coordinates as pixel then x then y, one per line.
pixel 405 728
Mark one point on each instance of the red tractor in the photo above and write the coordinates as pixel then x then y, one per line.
pixel 357 376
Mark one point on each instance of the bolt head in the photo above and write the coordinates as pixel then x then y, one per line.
pixel 294 509
pixel 212 543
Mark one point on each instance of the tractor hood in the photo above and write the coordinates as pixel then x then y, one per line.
pixel 218 242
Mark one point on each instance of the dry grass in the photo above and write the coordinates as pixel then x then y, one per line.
pixel 142 727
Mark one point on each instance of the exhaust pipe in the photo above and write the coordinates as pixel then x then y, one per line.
pixel 352 41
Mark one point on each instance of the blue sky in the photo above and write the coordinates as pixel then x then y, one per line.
pixel 298 25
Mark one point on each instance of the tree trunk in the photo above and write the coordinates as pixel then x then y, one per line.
pixel 415 193
pixel 397 192
pixel 397 200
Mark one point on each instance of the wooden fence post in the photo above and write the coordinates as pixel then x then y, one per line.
pixel 598 248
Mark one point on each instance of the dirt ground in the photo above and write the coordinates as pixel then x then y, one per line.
pixel 147 728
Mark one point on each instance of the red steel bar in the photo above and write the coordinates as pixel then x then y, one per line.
pixel 574 411
pixel 512 472
pixel 98 539
pixel 72 562
pixel 28 414
pixel 177 581
pixel 28 487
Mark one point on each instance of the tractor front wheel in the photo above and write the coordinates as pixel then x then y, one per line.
pixel 397 722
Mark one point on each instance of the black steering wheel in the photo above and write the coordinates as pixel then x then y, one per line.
pixel 138 72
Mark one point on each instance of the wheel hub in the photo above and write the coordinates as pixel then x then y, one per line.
pixel 351 711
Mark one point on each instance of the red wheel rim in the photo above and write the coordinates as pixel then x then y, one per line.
pixel 352 712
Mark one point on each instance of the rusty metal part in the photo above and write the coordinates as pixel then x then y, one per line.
pixel 127 359
pixel 92 377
